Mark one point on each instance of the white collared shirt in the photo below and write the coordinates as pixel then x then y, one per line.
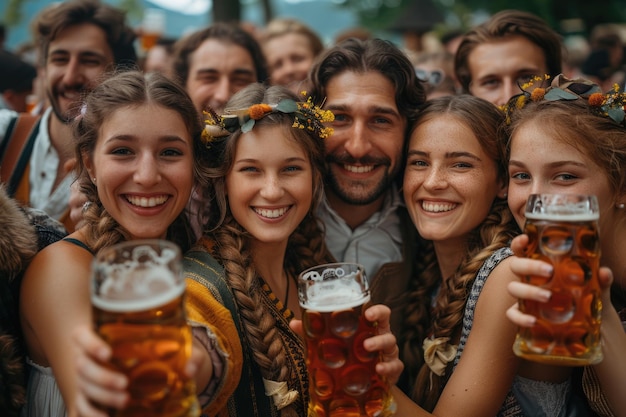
pixel 44 163
pixel 375 242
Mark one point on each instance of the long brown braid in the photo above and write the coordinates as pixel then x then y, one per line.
pixel 495 231
pixel 231 247
pixel 130 88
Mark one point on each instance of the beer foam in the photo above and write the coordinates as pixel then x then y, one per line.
pixel 563 216
pixel 129 304
pixel 135 284
pixel 334 297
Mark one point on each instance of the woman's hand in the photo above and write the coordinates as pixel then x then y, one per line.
pixel 96 383
pixel 523 267
pixel 100 385
pixel 391 366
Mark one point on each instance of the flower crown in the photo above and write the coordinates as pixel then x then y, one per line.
pixel 610 104
pixel 306 116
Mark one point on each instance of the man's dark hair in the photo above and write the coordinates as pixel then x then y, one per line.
pixel 370 55
pixel 505 24
pixel 111 20
pixel 221 31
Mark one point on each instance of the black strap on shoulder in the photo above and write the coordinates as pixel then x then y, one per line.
pixel 7 136
pixel 250 389
pixel 22 162
pixel 16 149
pixel 78 243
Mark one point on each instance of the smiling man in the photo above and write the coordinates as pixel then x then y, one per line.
pixel 214 63
pixel 372 90
pixel 80 41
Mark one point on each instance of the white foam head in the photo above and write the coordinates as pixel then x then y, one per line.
pixel 141 279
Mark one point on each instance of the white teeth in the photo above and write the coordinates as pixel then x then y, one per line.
pixel 146 202
pixel 71 96
pixel 437 207
pixel 358 169
pixel 271 214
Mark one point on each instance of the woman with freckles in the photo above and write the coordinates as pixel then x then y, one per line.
pixel 136 146
pixel 458 356
pixel 574 147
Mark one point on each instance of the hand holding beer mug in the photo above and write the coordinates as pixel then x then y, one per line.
pixel 137 297
pixel 342 377
pixel 563 231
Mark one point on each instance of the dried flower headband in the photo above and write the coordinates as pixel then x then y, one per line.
pixel 609 104
pixel 306 116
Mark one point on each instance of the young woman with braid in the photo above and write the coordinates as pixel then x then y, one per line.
pixel 457 351
pixel 136 143
pixel 576 146
pixel 267 160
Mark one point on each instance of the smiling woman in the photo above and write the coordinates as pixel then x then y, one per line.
pixel 137 139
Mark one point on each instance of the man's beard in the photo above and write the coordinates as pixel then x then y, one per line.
pixel 68 116
pixel 358 192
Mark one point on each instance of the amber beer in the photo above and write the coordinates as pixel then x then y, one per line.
pixel 342 377
pixel 137 299
pixel 152 28
pixel 563 231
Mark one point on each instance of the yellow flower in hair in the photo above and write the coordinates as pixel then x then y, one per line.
pixel 521 101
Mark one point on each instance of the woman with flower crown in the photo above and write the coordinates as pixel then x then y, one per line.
pixel 571 138
pixel 267 158
pixel 458 343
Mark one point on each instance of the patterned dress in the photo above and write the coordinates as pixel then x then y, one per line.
pixel 526 397
pixel 241 392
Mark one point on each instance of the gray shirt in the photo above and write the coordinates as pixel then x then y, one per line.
pixel 375 242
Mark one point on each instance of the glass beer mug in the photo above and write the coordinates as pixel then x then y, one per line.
pixel 137 292
pixel 563 231
pixel 342 377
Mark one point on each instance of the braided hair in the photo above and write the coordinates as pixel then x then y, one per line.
pixel 305 247
pixel 445 318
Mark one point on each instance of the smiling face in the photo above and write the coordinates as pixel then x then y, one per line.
pixel 143 168
pixel 541 163
pixel 77 58
pixel 365 150
pixel 450 182
pixel 217 70
pixel 289 58
pixel 270 184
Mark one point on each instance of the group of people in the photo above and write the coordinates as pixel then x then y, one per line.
pixel 428 195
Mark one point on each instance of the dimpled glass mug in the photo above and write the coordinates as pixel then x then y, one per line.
pixel 137 297
pixel 342 377
pixel 563 230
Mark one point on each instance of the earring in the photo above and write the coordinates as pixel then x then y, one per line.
pixel 505 196
pixel 620 206
pixel 94 180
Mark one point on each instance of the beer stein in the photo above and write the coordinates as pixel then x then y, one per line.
pixel 342 375
pixel 137 292
pixel 152 28
pixel 563 230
